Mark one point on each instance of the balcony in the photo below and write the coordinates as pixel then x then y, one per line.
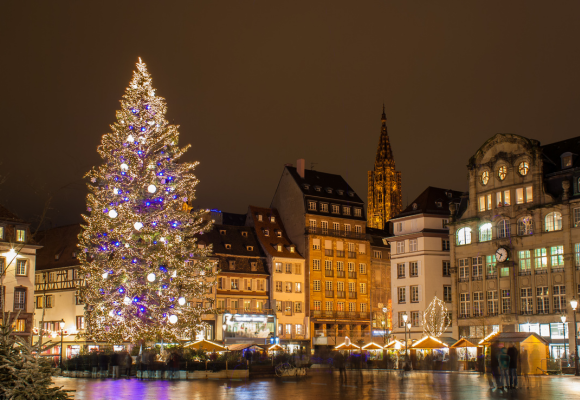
pixel 329 273
pixel 352 295
pixel 340 253
pixel 463 316
pixel 477 278
pixel 540 271
pixel 526 312
pixel 265 311
pixel 329 293
pixel 543 311
pixel 288 313
pixel 558 269
pixel 328 252
pixel 341 294
pixel 335 233
pixel 492 314
pixel 340 274
pixel 288 271
pixel 463 279
pixel 400 276
pixel 351 254
pixel 525 273
pixel 491 276
pixel 339 314
pixel 351 275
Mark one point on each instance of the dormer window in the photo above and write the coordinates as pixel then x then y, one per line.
pixel 324 207
pixel 21 235
pixel 1 232
pixel 502 172
pixel 414 206
pixel 439 204
pixel 222 231
pixel 266 232
pixel 328 190
pixel 346 210
pixel 279 234
pixel 335 208
pixel 340 192
pixel 254 266
pixel 272 218
pixel 228 246
pixel 232 264
pixel 250 248
pixel 317 188
pixel 312 205
pixel 244 234
pixel 74 254
pixel 201 245
pixel 291 248
pixel 449 194
pixel 351 193
pixel 56 257
pixel 566 160
pixel 306 186
pixel 278 247
pixel 259 217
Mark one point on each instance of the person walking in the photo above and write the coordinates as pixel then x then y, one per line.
pixel 115 364
pixel 128 364
pixel 514 356
pixel 504 365
pixel 494 363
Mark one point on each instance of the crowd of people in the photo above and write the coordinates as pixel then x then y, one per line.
pixel 502 366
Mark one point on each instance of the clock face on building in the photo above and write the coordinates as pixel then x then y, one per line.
pixel 501 254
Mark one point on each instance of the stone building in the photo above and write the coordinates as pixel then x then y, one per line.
pixel 380 284
pixel 384 183
pixel 287 278
pixel 516 243
pixel 324 217
pixel 420 259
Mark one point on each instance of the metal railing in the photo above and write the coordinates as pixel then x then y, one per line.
pixel 328 272
pixel 351 254
pixel 339 314
pixel 341 294
pixel 328 252
pixel 352 295
pixel 329 293
pixel 477 278
pixel 526 312
pixel 540 271
pixel 336 233
pixel 558 269
pixel 340 253
pixel 524 273
pixel 340 274
pixel 491 276
pixel 352 275
pixel 463 279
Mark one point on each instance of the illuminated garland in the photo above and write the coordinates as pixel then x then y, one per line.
pixel 139 236
pixel 435 318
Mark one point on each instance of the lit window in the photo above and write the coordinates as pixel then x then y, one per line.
pixel 335 209
pixel 502 172
pixel 525 226
pixel 315 265
pixel 1 233
pixel 312 205
pixel 80 323
pixel 481 203
pixel 324 207
pixel 463 236
pixel 540 258
pixel 362 268
pixel 20 235
pixel 523 168
pixel 503 228
pixel 21 267
pixel 520 196
pixel 346 210
pixel 489 202
pixel 484 177
pixel 272 219
pixel 485 232
pixel 529 194
pixel 576 217
pixel 358 212
pixel 557 256
pixel 553 222
pixel 317 305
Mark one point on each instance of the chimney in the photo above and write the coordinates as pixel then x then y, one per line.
pixel 300 167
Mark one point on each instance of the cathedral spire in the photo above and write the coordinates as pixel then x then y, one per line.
pixel 384 152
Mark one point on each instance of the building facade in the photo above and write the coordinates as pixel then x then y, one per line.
pixel 516 240
pixel 17 266
pixel 380 284
pixel 420 259
pixel 287 283
pixel 324 217
pixel 384 184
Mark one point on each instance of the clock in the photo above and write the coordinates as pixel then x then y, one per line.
pixel 501 254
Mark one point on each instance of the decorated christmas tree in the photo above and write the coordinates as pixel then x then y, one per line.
pixel 139 254
pixel 435 318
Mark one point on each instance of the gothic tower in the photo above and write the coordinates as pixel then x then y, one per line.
pixel 384 196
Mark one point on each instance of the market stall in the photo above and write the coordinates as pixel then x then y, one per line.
pixel 374 351
pixel 430 353
pixel 466 354
pixel 534 353
pixel 395 351
pixel 206 345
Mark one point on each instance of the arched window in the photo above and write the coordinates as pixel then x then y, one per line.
pixel 502 172
pixel 485 232
pixel 503 228
pixel 463 236
pixel 523 168
pixel 553 221
pixel 484 177
pixel 525 226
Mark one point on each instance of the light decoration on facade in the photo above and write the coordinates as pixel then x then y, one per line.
pixel 436 318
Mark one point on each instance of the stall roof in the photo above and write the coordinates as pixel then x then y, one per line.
pixel 393 344
pixel 463 342
pixel 244 346
pixel 516 337
pixel 429 342
pixel 275 347
pixel 344 346
pixel 206 345
pixel 372 346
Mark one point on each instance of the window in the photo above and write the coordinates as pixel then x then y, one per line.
pixel 463 236
pixel 526 301
pixel 352 307
pixel 21 267
pixel 414 294
pixel 401 247
pixel 38 301
pixel 1 232
pixel 529 194
pixel 347 229
pixel 288 287
pixel 80 322
pixel 506 198
pixel 485 232
pixel 324 207
pixel 288 268
pixel 358 212
pixel 490 267
pixel 400 270
pixel 477 304
pixel 234 304
pixel 481 203
pixel 525 260
pixel 324 226
pixel 377 254
pixel 297 269
pixel 20 235
pixel 358 229
pixel 553 222
pixel 402 296
pixel 485 177
pixel 363 307
pixel 259 217
pixel 464 268
pixel 316 244
pixel 261 285
pixel 502 172
pixel 414 269
pixel 362 248
pixel 446 268
pixel 559 298
pixel 335 209
pixel 20 299
pixel 477 263
pixel 362 288
pixel 328 266
pixel 492 307
pixel 401 319
pixel 557 255
pixel 542 300
pixel 399 227
pixel 413 245
pixel 445 245
pixel 317 305
pixel 362 268
pixel 525 226
pixel 506 302
pixel 346 210
pixel 577 254
pixel 566 160
pixel 316 265
pixel 340 266
pixel 350 267
pixel 503 228
pixel 316 286
pixel 540 259
pixel 328 306
pixel 336 227
pixel 447 294
pixel 523 168
pixel 19 325
pixel 266 232
pixel 235 284
pixel 312 224
pixel 311 205
pixel 298 327
pixel 48 301
pixel 577 216
pixel 415 318
pixel 520 196
pixel 279 266
pixel 288 329
pixel 464 305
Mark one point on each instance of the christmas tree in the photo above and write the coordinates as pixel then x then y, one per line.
pixel 435 318
pixel 139 254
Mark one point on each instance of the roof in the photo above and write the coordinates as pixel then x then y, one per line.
pixel 429 342
pixel 243 346
pixel 463 342
pixel 376 236
pixel 6 215
pixel 552 154
pixel 206 345
pixel 270 242
pixel 59 246
pixel 233 219
pixel 516 337
pixel 433 200
pixel 313 179
pixel 394 344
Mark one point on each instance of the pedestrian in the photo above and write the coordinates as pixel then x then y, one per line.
pixel 514 356
pixel 128 364
pixel 145 364
pixel 494 363
pixel 103 364
pixel 525 367
pixel 504 365
pixel 115 364
pixel 94 360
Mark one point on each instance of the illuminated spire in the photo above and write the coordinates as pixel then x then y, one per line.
pixel 384 152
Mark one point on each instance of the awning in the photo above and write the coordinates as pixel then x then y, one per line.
pixel 207 346
pixel 463 342
pixel 372 346
pixel 275 347
pixel 244 346
pixel 429 342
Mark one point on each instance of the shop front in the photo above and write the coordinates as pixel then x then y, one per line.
pixel 248 328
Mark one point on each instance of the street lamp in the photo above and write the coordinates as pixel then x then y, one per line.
pixel 386 332
pixel 405 317
pixel 563 318
pixel 61 328
pixel 574 304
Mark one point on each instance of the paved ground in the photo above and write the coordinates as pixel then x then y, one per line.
pixel 369 385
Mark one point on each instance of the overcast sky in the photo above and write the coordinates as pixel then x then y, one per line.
pixel 257 84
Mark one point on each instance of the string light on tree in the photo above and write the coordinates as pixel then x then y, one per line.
pixel 137 244
pixel 435 318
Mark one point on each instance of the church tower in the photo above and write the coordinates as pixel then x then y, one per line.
pixel 384 195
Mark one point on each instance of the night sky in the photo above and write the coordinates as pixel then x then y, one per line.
pixel 257 84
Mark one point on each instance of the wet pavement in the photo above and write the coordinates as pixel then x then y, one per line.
pixel 368 385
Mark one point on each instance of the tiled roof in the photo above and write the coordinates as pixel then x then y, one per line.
pixel 375 237
pixel 269 242
pixel 6 215
pixel 233 219
pixel 222 235
pixel 432 201
pixel 552 154
pixel 313 179
pixel 59 244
